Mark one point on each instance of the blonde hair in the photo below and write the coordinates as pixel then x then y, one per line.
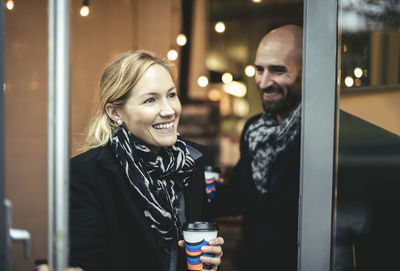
pixel 116 84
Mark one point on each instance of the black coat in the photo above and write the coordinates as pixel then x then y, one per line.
pixel 269 225
pixel 108 230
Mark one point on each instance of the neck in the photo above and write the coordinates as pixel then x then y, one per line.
pixel 281 117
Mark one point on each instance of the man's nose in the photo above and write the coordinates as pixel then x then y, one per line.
pixel 264 80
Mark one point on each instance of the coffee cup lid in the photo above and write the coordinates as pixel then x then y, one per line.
pixel 199 226
pixel 212 168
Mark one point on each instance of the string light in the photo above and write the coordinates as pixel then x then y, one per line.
pixel 220 27
pixel 235 88
pixel 172 54
pixel 358 72
pixel 227 78
pixel 202 81
pixel 349 81
pixel 181 39
pixel 85 8
pixel 10 4
pixel 250 71
pixel 256 1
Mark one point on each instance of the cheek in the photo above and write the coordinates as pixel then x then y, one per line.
pixel 178 108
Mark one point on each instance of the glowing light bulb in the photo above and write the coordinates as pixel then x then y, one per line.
pixel 358 72
pixel 172 54
pixel 256 1
pixel 10 4
pixel 85 11
pixel 202 81
pixel 181 39
pixel 214 95
pixel 220 27
pixel 250 71
pixel 349 81
pixel 227 78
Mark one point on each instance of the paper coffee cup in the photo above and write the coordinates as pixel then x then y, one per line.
pixel 196 235
pixel 210 173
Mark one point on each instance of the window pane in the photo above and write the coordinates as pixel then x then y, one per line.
pixel 366 228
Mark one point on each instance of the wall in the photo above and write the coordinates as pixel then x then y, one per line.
pixel 381 108
pixel 111 28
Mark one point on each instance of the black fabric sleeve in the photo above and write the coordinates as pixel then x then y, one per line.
pixel 87 226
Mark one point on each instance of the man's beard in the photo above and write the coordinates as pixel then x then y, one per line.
pixel 283 105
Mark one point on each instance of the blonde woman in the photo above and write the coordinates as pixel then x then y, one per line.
pixel 138 181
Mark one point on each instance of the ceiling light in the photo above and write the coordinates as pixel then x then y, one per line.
pixel 349 81
pixel 202 81
pixel 227 78
pixel 250 71
pixel 181 39
pixel 85 8
pixel 235 88
pixel 10 4
pixel 220 27
pixel 172 54
pixel 358 72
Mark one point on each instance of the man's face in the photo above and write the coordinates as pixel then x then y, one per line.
pixel 278 77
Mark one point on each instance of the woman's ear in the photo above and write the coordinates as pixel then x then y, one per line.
pixel 113 112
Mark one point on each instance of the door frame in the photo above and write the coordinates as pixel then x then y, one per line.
pixel 318 137
pixel 4 248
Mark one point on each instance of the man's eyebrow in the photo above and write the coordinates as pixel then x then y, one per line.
pixel 277 67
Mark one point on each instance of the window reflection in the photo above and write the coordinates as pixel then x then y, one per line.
pixel 370 41
pixel 366 228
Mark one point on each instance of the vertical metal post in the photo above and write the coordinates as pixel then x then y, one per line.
pixel 318 134
pixel 58 133
pixel 4 248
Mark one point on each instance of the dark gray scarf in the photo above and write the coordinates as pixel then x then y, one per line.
pixel 156 179
pixel 266 139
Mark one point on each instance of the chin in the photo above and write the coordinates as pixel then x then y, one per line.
pixel 167 142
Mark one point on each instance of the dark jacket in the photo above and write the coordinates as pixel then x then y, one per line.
pixel 270 224
pixel 108 230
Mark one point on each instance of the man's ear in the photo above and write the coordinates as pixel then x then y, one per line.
pixel 113 112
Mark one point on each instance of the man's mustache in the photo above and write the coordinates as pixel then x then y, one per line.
pixel 272 89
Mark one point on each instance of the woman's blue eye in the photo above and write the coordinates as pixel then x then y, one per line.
pixel 149 100
pixel 172 95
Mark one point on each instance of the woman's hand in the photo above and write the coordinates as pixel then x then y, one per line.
pixel 214 247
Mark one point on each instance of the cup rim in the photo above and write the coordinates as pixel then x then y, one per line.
pixel 200 226
pixel 212 168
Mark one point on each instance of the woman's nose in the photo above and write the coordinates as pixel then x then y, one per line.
pixel 166 109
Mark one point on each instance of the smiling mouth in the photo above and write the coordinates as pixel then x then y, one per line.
pixel 271 95
pixel 164 126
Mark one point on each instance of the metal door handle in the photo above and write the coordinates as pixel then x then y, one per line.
pixel 18 235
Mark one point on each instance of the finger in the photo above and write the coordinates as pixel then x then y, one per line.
pixel 215 262
pixel 181 243
pixel 219 180
pixel 215 250
pixel 219 241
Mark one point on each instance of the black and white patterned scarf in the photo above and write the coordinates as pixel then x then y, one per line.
pixel 157 178
pixel 267 138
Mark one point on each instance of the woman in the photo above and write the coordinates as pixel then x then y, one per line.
pixel 138 181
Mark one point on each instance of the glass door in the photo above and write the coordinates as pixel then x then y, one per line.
pixel 366 228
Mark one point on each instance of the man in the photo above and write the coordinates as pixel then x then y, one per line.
pixel 265 186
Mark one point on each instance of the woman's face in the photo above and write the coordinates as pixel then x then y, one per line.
pixel 152 111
